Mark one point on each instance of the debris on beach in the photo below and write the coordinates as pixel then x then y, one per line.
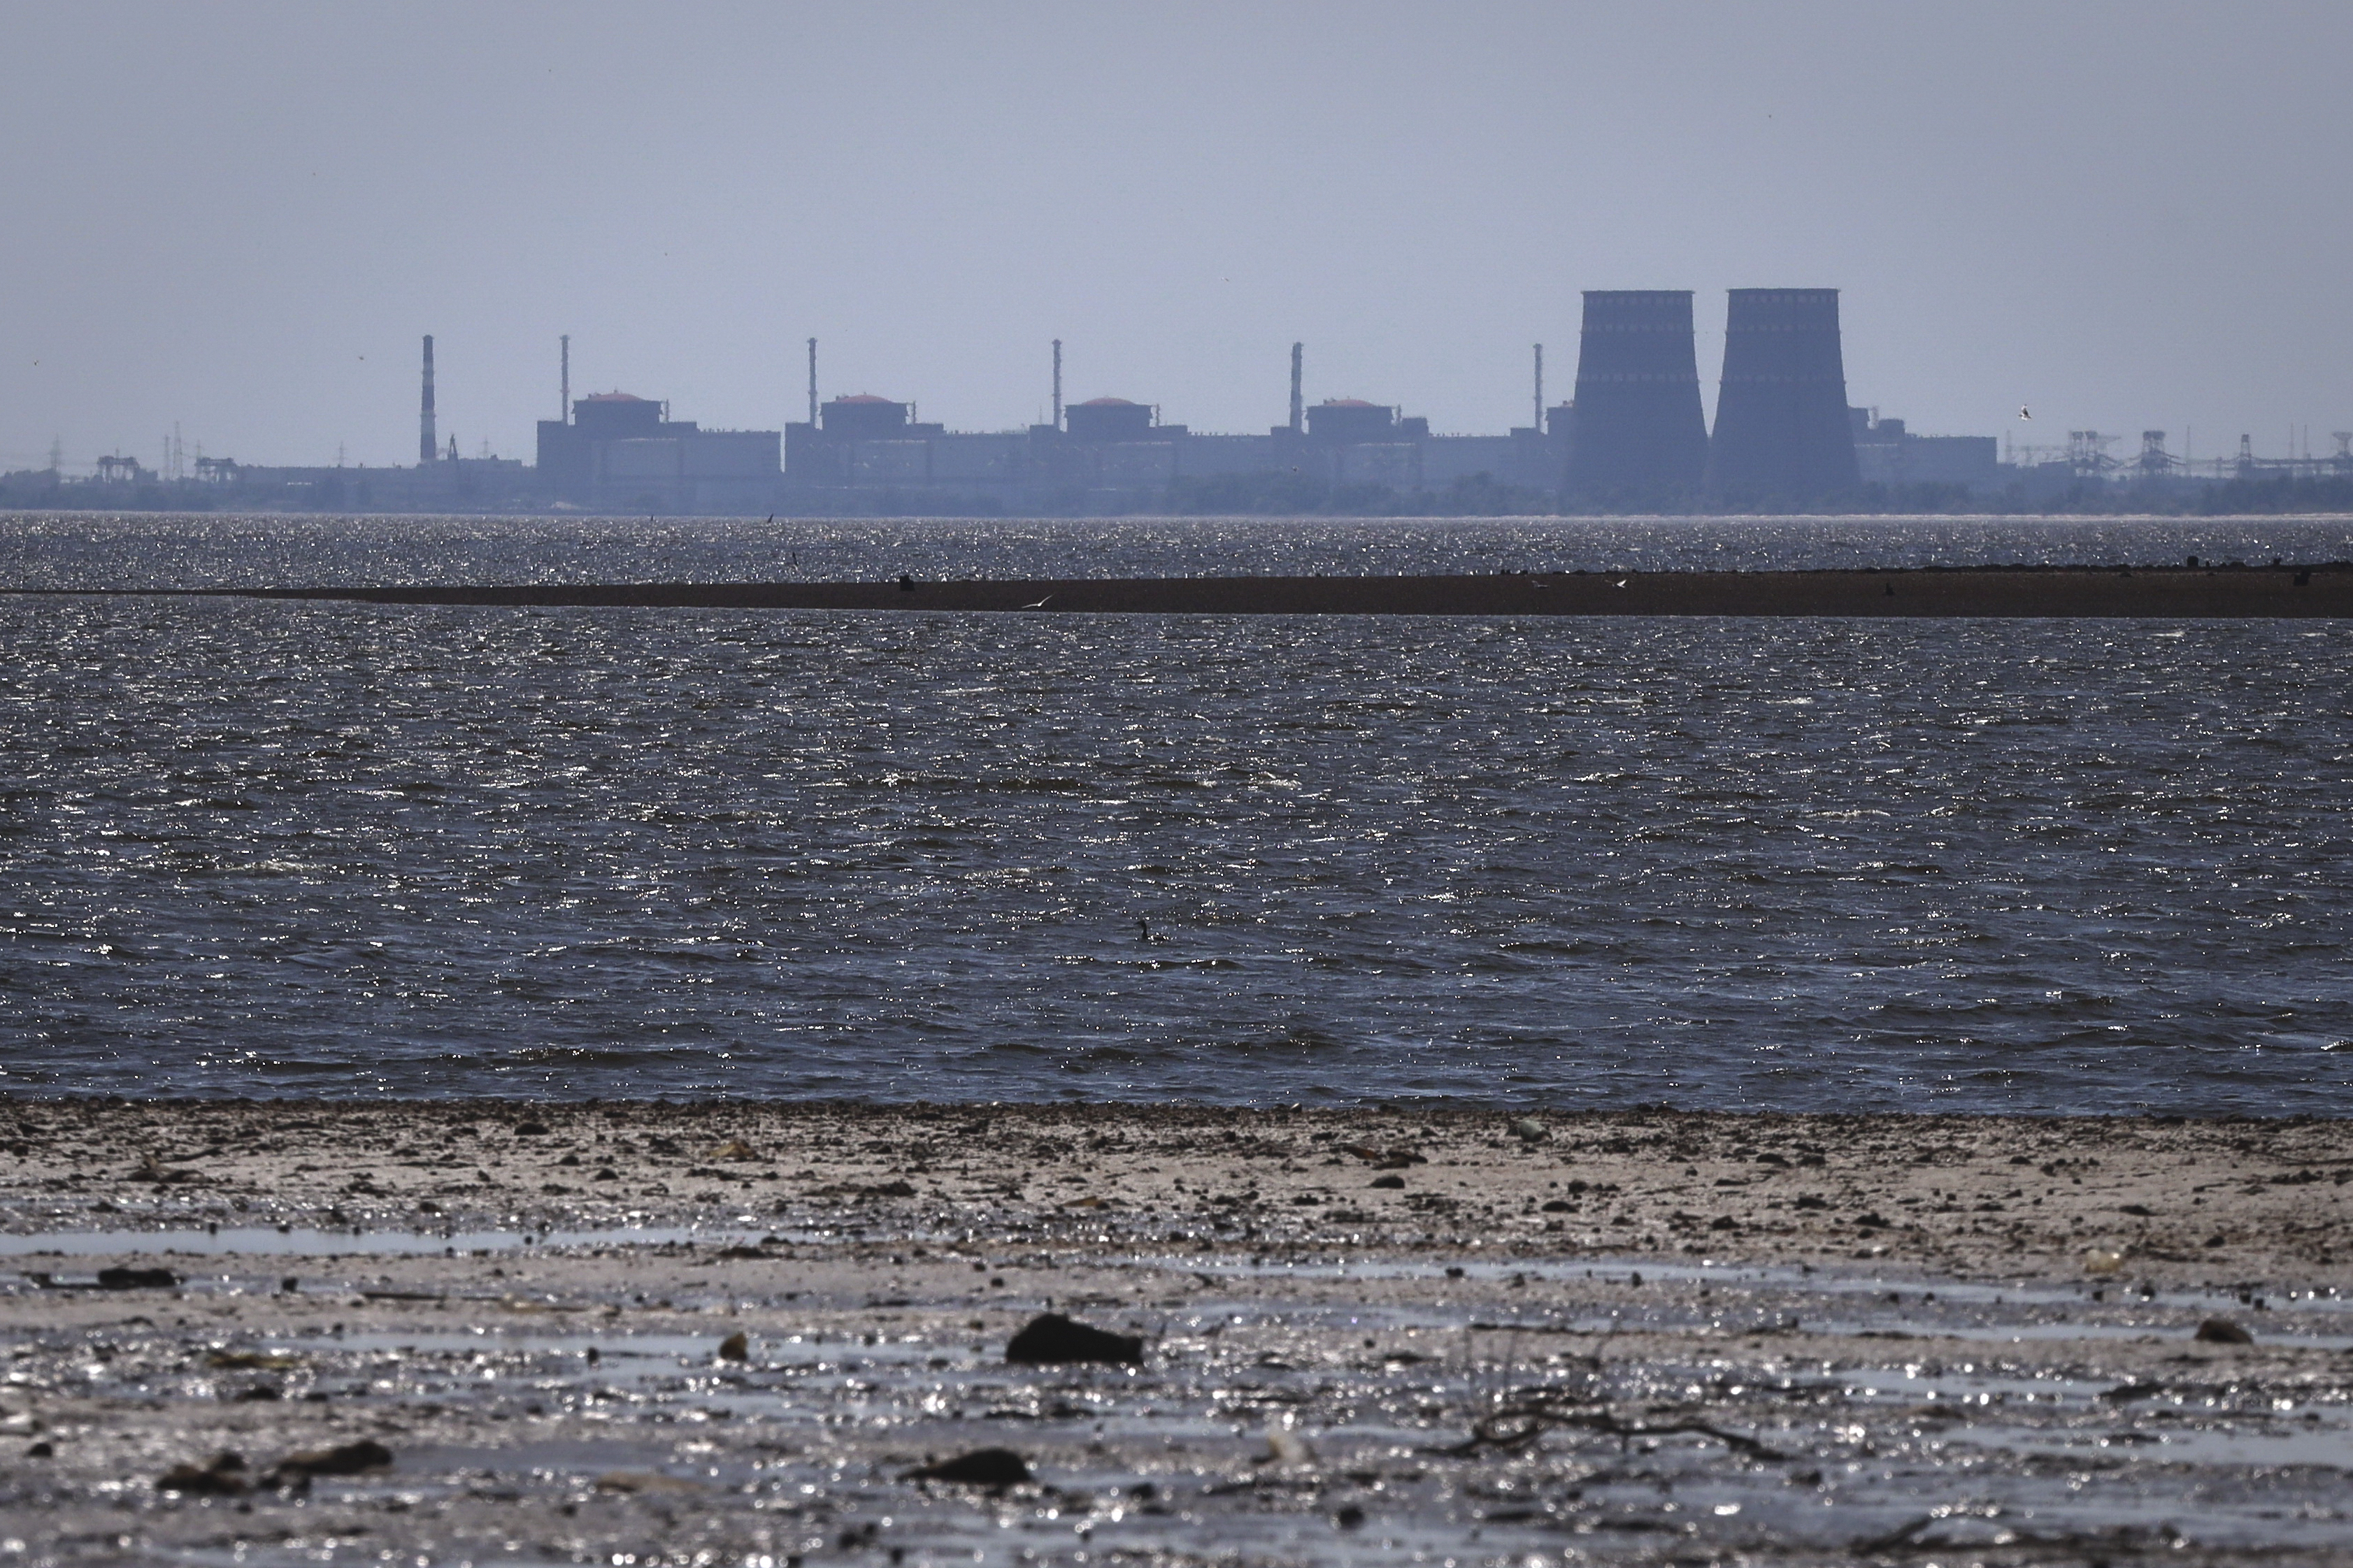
pixel 734 1149
pixel 643 1482
pixel 1528 1130
pixel 995 1468
pixel 343 1460
pixel 2101 1260
pixel 154 1173
pixel 736 1346
pixel 898 1187
pixel 1050 1339
pixel 1392 1182
pixel 1285 1447
pixel 223 1476
pixel 2222 1332
pixel 137 1279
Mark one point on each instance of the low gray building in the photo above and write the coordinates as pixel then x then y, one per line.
pixel 1886 453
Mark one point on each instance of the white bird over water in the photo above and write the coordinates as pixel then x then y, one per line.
pixel 1038 606
pixel 2022 412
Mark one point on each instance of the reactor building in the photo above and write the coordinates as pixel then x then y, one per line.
pixel 616 451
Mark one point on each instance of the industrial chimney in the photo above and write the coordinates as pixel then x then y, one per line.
pixel 425 452
pixel 1298 405
pixel 1782 433
pixel 1638 423
pixel 1057 383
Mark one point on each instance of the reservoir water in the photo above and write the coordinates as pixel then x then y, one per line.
pixel 1996 866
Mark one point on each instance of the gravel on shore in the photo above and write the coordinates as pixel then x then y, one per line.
pixel 642 1334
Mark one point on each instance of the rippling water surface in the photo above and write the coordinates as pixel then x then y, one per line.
pixel 80 551
pixel 309 848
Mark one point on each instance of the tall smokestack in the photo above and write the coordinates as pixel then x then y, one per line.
pixel 1538 425
pixel 567 415
pixel 1639 423
pixel 1057 383
pixel 425 452
pixel 1782 432
pixel 812 383
pixel 1298 408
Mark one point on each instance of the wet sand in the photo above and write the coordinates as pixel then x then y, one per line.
pixel 1643 1337
pixel 2026 590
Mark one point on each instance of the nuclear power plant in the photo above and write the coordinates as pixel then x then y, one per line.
pixel 1633 438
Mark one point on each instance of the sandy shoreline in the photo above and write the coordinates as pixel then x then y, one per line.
pixel 1960 1196
pixel 1642 1336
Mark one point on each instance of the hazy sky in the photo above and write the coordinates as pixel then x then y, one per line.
pixel 242 216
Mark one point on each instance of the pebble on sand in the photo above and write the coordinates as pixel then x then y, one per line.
pixel 735 1347
pixel 2222 1332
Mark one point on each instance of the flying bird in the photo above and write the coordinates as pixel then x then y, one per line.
pixel 1038 606
pixel 2023 412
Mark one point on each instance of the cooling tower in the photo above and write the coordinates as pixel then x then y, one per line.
pixel 1781 428
pixel 1639 425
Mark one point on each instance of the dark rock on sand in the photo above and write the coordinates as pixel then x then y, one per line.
pixel 998 1467
pixel 1050 1339
pixel 2222 1332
